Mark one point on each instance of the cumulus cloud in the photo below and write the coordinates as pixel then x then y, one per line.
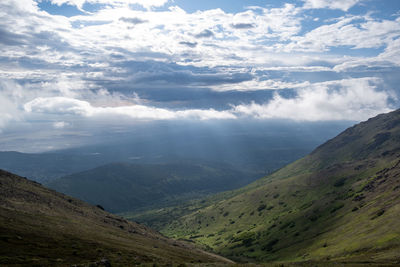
pixel 80 3
pixel 357 32
pixel 70 106
pixel 204 34
pixel 59 105
pixel 332 4
pixel 89 66
pixel 354 99
pixel 392 52
pixel 351 99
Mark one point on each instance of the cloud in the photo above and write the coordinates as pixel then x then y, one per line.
pixel 133 20
pixel 69 106
pixel 354 99
pixel 254 85
pixel 147 75
pixel 9 38
pixel 392 52
pixel 193 65
pixel 59 105
pixel 80 3
pixel 355 32
pixel 189 44
pixel 60 125
pixel 351 99
pixel 243 25
pixel 74 44
pixel 10 94
pixel 5 116
pixel 344 5
pixel 204 34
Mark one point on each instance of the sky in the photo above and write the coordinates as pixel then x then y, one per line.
pixel 68 67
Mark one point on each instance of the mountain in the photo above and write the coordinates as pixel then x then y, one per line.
pixel 40 227
pixel 43 167
pixel 341 203
pixel 122 187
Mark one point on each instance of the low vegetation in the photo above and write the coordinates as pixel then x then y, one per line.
pixel 338 205
pixel 40 227
pixel 341 203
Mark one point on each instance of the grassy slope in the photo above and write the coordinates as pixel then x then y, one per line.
pixel 160 217
pixel 42 227
pixel 340 203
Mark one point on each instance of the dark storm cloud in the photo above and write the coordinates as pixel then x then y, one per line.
pixel 134 21
pixel 204 34
pixel 243 26
pixel 189 44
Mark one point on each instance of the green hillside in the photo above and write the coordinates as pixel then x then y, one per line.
pixel 341 203
pixel 40 227
pixel 123 187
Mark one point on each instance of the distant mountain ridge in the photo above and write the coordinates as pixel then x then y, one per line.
pixel 250 146
pixel 341 203
pixel 43 167
pixel 123 187
pixel 40 227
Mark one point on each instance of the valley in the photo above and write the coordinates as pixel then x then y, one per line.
pixel 125 187
pixel 340 203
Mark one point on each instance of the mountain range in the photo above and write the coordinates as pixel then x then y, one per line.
pixel 338 205
pixel 252 147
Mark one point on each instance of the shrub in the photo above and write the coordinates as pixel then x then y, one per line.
pixel 339 182
pixel 261 207
pixel 270 244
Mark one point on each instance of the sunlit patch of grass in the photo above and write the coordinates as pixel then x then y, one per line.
pixel 309 220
